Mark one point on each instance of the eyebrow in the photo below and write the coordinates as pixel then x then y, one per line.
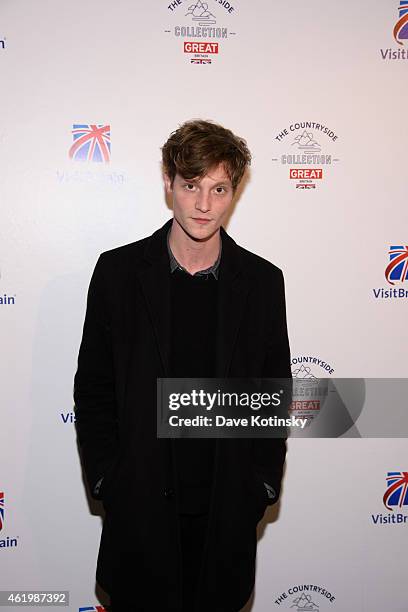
pixel 224 181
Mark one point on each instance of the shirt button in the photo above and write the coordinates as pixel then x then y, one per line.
pixel 168 492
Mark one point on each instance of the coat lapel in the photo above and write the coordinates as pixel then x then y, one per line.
pixel 155 282
pixel 232 297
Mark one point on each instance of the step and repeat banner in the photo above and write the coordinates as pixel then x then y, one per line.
pixel 89 93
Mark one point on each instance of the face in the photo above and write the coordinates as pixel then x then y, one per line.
pixel 201 205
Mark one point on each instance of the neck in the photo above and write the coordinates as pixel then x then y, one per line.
pixel 193 255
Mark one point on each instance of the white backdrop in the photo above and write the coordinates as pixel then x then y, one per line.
pixel 279 65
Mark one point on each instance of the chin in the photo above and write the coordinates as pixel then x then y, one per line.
pixel 203 234
pixel 198 233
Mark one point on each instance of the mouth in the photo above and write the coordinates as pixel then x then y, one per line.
pixel 201 220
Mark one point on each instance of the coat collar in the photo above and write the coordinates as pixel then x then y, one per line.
pixel 232 293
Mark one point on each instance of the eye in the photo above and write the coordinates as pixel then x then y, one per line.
pixel 220 189
pixel 189 186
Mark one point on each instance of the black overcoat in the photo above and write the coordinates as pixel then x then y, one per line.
pixel 124 349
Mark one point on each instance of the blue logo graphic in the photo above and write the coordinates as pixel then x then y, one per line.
pixel 91 142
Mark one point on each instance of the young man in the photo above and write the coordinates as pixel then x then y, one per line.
pixel 180 526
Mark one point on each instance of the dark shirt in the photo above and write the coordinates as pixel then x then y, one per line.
pixel 192 355
pixel 175 265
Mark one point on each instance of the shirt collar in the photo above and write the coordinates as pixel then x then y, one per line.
pixel 174 264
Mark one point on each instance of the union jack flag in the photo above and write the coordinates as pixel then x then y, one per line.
pixel 92 609
pixel 397 269
pixel 91 142
pixel 397 491
pixel 1 510
pixel 200 60
pixel 401 27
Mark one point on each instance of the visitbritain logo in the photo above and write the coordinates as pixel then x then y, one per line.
pixel 397 490
pixel 395 496
pixel 91 146
pixel 400 35
pixel 302 597
pixel 306 154
pixel 67 418
pixel 93 609
pixel 310 388
pixel 7 299
pixel 396 272
pixel 7 542
pixel 201 25
pixel 91 142
pixel 397 269
pixel 401 27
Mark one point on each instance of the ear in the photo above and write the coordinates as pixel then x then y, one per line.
pixel 167 183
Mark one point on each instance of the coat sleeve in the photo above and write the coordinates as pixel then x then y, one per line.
pixel 94 386
pixel 269 453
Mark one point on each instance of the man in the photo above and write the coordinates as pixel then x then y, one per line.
pixel 180 525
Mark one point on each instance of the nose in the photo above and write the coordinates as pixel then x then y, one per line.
pixel 203 201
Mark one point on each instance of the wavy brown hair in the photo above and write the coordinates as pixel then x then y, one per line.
pixel 197 146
